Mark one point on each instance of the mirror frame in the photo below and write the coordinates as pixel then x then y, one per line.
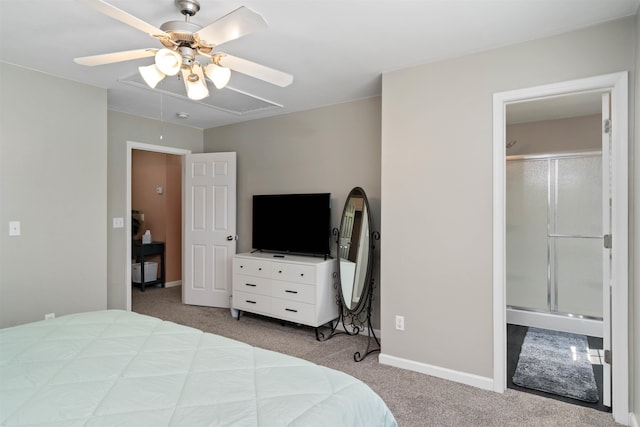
pixel 366 287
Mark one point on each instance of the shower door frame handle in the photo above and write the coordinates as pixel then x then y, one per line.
pixel 575 236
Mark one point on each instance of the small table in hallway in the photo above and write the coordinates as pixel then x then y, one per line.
pixel 140 251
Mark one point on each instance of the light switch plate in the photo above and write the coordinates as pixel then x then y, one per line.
pixel 118 222
pixel 14 228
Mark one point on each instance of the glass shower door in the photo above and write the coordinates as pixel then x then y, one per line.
pixel 577 236
pixel 554 235
pixel 526 238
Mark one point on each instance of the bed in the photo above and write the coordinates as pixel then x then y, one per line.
pixel 117 368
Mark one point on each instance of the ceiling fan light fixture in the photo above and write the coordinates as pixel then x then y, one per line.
pixel 169 61
pixel 184 41
pixel 194 83
pixel 219 75
pixel 151 75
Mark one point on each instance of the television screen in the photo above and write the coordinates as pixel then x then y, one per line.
pixel 292 223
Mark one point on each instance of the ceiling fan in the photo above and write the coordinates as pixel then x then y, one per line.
pixel 185 43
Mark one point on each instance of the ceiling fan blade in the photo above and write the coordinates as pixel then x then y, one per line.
pixel 124 17
pixel 109 58
pixel 269 75
pixel 236 24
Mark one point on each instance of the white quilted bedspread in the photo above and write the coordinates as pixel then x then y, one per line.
pixel 116 368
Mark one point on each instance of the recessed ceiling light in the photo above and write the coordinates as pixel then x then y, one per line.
pixel 182 115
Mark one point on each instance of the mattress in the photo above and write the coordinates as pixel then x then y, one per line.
pixel 117 368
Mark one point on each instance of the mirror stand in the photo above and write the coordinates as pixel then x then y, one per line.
pixel 355 321
pixel 359 321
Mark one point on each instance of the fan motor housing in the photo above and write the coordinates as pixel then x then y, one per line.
pixel 181 33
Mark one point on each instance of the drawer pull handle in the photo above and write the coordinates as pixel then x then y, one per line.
pixel 250 284
pixel 250 302
pixel 242 266
pixel 291 292
pixel 279 271
pixel 291 309
pixel 301 274
pixel 260 269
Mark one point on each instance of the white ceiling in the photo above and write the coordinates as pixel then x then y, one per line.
pixel 336 49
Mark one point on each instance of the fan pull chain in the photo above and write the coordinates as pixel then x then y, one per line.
pixel 161 115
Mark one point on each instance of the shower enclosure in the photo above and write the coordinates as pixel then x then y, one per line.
pixel 554 241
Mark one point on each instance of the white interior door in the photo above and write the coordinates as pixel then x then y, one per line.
pixel 606 252
pixel 209 228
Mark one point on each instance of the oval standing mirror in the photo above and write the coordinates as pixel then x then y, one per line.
pixel 354 272
pixel 354 251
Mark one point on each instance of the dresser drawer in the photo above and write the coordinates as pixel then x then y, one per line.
pixel 252 284
pixel 294 311
pixel 293 291
pixel 254 303
pixel 294 273
pixel 252 267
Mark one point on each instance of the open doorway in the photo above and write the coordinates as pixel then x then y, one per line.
pixel 554 273
pixel 158 149
pixel 156 200
pixel 617 85
pixel 203 276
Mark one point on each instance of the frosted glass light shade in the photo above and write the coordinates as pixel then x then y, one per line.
pixel 219 75
pixel 151 75
pixel 169 61
pixel 194 83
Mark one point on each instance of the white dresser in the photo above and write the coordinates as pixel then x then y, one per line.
pixel 288 287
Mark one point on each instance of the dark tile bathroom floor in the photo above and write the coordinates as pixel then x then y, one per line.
pixel 515 337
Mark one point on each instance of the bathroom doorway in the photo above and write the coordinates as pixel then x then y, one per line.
pixel 616 279
pixel 554 229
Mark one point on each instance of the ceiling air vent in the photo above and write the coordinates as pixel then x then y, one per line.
pixel 228 99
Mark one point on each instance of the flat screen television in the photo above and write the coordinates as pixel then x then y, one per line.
pixel 292 223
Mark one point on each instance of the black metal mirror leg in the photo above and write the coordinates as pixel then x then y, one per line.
pixel 354 323
pixel 358 357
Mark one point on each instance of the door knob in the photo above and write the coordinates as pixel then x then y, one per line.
pixel 230 238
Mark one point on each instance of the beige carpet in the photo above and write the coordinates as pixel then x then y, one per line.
pixel 415 399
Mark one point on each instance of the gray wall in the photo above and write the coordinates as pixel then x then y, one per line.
pixel 330 149
pixel 437 188
pixel 122 128
pixel 53 179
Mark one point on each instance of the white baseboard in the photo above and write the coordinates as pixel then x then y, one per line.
pixel 172 284
pixel 437 371
pixel 633 420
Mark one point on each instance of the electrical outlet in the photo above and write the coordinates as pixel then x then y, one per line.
pixel 118 222
pixel 400 323
pixel 49 316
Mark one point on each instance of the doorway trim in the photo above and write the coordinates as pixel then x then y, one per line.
pixel 617 84
pixel 132 145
